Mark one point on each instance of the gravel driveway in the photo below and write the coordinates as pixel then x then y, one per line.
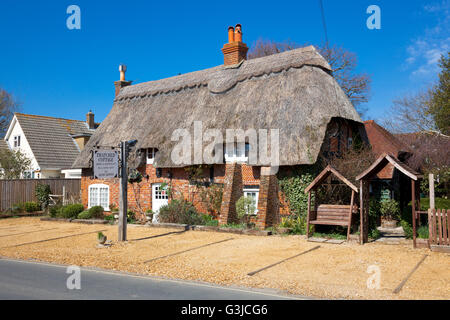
pixel 331 271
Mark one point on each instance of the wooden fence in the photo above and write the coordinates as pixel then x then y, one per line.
pixel 23 190
pixel 439 229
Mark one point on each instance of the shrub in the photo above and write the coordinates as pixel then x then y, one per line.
pixel 18 207
pixel 374 233
pixel 96 212
pixel 297 224
pixel 390 209
pixel 55 211
pixel 43 194
pixel 71 211
pixel 32 206
pixel 131 216
pixel 109 217
pixel 407 229
pixel 180 211
pixel 208 220
pixel 244 207
pixel 85 215
pixel 423 232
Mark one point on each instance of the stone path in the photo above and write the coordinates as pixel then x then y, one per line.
pixel 391 235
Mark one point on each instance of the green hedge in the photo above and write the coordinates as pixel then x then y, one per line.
pixel 32 206
pixel 96 212
pixel 180 211
pixel 85 215
pixel 71 211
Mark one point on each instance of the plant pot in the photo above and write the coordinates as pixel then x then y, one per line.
pixel 388 223
pixel 102 240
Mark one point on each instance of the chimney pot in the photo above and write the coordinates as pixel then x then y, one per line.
pixel 122 82
pixel 230 34
pixel 235 50
pixel 122 70
pixel 238 33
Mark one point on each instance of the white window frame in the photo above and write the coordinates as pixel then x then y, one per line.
pixel 247 191
pixel 237 154
pixel 16 141
pixel 98 186
pixel 153 153
pixel 29 174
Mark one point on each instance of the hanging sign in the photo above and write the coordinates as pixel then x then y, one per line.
pixel 106 164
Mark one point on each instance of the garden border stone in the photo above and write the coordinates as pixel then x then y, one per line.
pixel 26 214
pixel 85 221
pixel 251 232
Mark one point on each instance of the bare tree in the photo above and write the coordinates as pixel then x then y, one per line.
pixel 410 114
pixel 342 62
pixel 431 154
pixel 7 107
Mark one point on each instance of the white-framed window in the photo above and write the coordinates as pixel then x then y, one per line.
pixel 252 192
pixel 237 153
pixel 28 174
pixel 99 196
pixel 16 141
pixel 151 153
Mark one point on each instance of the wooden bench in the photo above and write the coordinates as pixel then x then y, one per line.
pixel 330 214
pixel 333 215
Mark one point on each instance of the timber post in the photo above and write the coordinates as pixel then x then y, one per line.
pixel 123 192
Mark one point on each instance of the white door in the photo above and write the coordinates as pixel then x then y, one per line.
pixel 159 197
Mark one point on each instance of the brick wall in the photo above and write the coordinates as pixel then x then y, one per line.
pixel 232 191
pixel 233 176
pixel 268 203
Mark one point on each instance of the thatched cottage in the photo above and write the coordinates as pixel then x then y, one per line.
pixel 293 92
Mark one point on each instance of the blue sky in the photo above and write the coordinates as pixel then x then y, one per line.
pixel 60 72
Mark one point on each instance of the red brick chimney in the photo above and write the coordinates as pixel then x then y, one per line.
pixel 122 82
pixel 90 119
pixel 235 50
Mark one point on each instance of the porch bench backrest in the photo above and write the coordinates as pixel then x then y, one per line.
pixel 332 212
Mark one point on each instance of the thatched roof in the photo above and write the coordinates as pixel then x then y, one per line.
pixel 291 91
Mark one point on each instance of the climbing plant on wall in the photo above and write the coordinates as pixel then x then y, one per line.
pixel 293 185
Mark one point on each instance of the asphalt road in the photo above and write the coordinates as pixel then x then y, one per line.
pixel 42 281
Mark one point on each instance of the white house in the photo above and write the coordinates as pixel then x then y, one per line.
pixel 51 143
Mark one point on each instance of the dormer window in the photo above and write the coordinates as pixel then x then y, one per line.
pixel 238 153
pixel 151 153
pixel 16 141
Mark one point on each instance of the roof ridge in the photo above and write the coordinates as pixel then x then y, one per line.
pixel 221 78
pixel 48 117
pixel 389 136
